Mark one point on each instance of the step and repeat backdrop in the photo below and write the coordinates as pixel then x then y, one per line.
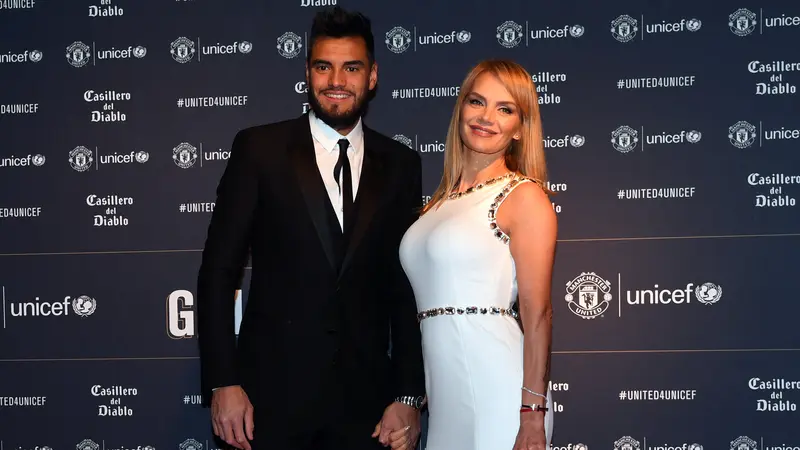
pixel 673 141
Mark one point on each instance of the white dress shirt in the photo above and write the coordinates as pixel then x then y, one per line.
pixel 326 146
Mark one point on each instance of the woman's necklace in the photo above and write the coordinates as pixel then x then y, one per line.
pixel 480 186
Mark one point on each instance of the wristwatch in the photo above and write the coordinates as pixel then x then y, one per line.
pixel 414 402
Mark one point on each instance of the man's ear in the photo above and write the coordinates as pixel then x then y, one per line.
pixel 373 76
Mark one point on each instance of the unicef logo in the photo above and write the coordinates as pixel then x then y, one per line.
pixel 570 447
pixel 38 160
pixel 742 134
pixel 577 140
pixel 742 22
pixel 624 139
pixel 693 24
pixel 576 31
pixel 289 45
pixel 142 156
pixel 80 158
pixel 693 136
pixel 398 39
pixel 708 293
pixel 139 51
pixel 463 36
pixel 403 140
pixel 78 54
pixel 182 50
pixel 509 34
pixel 624 28
pixel 36 55
pixel 84 305
pixel 245 47
pixel 184 155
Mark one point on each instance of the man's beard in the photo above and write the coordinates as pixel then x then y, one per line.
pixel 338 120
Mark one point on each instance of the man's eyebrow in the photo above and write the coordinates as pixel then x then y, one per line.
pixel 354 62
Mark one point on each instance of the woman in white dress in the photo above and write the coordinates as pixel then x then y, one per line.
pixel 480 260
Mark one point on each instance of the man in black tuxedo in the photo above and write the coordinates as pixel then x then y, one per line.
pixel 321 202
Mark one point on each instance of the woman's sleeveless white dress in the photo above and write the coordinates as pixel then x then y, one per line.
pixel 460 267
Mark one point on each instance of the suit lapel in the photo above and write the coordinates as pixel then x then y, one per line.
pixel 371 187
pixel 303 157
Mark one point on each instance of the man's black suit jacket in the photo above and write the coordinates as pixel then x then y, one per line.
pixel 314 337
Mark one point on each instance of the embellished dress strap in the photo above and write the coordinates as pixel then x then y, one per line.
pixel 500 198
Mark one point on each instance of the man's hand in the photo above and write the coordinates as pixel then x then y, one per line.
pixel 232 416
pixel 399 427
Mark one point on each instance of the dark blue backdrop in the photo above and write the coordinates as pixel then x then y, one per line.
pixel 672 138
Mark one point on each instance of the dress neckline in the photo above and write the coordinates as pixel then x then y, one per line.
pixel 479 186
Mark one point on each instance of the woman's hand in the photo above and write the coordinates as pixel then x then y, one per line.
pixel 531 434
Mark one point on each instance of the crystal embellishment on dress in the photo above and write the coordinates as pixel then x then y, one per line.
pixel 468 310
pixel 480 186
pixel 498 200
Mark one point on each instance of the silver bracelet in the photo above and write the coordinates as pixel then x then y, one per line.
pixel 534 393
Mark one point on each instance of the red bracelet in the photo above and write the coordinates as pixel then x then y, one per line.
pixel 529 408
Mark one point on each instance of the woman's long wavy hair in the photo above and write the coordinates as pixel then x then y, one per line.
pixel 525 156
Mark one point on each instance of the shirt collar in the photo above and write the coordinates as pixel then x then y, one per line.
pixel 329 138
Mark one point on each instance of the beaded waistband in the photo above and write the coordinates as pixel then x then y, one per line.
pixel 467 310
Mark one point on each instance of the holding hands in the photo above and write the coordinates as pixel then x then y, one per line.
pixel 531 435
pixel 232 416
pixel 399 427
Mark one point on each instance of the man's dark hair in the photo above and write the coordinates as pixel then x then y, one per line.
pixel 336 22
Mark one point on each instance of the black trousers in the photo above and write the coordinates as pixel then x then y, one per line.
pixel 331 426
pixel 352 437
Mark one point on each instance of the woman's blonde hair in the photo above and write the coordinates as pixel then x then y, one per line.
pixel 525 156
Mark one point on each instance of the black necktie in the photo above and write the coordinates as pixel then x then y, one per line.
pixel 346 187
